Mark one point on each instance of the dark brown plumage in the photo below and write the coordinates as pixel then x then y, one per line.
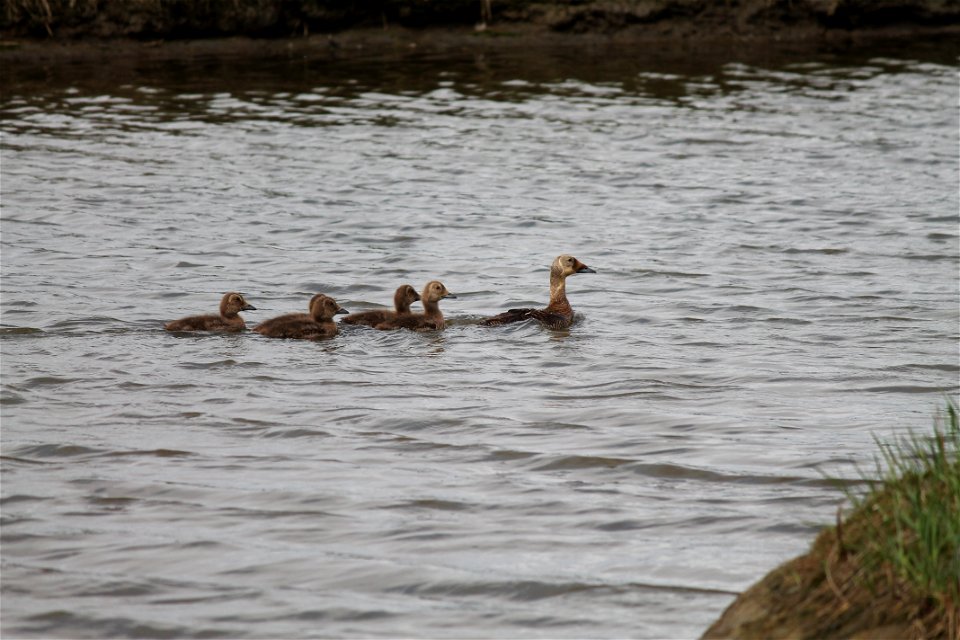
pixel 558 314
pixel 229 319
pixel 430 319
pixel 402 299
pixel 316 325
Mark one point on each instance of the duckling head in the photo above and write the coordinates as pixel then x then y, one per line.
pixel 566 265
pixel 404 297
pixel 435 291
pixel 323 308
pixel 233 303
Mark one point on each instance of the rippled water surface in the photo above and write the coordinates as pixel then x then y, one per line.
pixel 776 246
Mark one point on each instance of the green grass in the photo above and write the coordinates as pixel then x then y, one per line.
pixel 908 520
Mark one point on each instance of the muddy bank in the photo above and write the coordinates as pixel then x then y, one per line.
pixel 824 594
pixel 67 20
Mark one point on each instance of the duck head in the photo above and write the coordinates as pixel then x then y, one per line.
pixel 566 265
pixel 435 291
pixel 323 308
pixel 404 297
pixel 233 303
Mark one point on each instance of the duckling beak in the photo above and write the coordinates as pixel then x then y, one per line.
pixel 341 311
pixel 248 307
pixel 584 269
pixel 449 295
pixel 416 297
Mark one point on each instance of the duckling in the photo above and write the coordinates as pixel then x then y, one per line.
pixel 229 319
pixel 402 299
pixel 558 314
pixel 431 318
pixel 315 325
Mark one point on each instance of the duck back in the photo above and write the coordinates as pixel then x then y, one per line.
pixel 370 318
pixel 546 317
pixel 507 317
pixel 207 323
pixel 412 322
pixel 297 326
pixel 403 297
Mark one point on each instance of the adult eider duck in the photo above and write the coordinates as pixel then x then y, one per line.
pixel 558 314
pixel 402 299
pixel 316 325
pixel 431 318
pixel 229 319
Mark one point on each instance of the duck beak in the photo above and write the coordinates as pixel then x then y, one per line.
pixel 584 269
pixel 450 295
pixel 341 311
pixel 248 307
pixel 417 297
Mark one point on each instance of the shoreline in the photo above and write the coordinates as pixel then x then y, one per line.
pixel 363 42
pixel 673 26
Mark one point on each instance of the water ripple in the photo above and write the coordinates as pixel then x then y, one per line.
pixel 767 298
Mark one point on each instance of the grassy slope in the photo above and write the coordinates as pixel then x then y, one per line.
pixel 891 569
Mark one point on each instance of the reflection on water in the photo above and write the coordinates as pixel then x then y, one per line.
pixel 775 237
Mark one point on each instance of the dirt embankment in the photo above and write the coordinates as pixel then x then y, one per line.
pixel 655 19
pixel 890 570
pixel 825 594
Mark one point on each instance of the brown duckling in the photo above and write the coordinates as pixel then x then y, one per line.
pixel 315 325
pixel 431 318
pixel 229 319
pixel 558 314
pixel 402 299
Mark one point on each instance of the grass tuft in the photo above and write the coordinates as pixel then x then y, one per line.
pixel 908 524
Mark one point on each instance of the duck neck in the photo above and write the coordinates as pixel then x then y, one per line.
pixel 402 306
pixel 232 318
pixel 320 319
pixel 558 293
pixel 431 309
pixel 431 312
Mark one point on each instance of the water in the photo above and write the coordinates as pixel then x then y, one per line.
pixel 776 244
